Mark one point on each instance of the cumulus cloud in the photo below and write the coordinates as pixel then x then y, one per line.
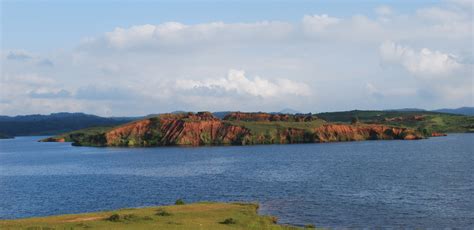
pixel 28 57
pixel 47 93
pixel 424 62
pixel 374 91
pixel 464 3
pixel 237 82
pixel 383 10
pixel 91 92
pixel 318 23
pixel 21 55
pixel 175 34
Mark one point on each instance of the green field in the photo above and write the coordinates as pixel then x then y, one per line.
pixel 205 216
pixel 258 127
pixel 432 121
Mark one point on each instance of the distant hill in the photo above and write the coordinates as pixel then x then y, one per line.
pixel 469 111
pixel 289 111
pixel 406 110
pixel 54 123
pixel 221 114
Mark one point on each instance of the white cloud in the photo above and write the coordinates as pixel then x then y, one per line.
pixel 19 55
pixel 175 34
pixel 439 14
pixel 49 93
pixel 318 23
pixel 423 63
pixel 237 82
pixel 464 3
pixel 372 90
pixel 383 10
pixel 28 57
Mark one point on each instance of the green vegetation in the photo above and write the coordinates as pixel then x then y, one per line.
pixel 270 132
pixel 190 216
pixel 94 136
pixel 419 120
pixel 161 212
pixel 270 126
pixel 179 202
pixel 229 221
pixel 114 217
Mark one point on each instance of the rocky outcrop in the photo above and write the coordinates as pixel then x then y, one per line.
pixel 438 134
pixel 358 132
pixel 205 129
pixel 53 139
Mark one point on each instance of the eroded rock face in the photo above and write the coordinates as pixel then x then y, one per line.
pixel 177 129
pixel 358 132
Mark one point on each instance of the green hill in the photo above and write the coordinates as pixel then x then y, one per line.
pixel 420 120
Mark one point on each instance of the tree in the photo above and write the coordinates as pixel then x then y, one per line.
pixel 355 120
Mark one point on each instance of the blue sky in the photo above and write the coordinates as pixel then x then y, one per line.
pixel 60 24
pixel 139 57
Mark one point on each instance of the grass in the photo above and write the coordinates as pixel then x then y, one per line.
pixel 433 121
pixel 189 216
pixel 271 126
pixel 440 123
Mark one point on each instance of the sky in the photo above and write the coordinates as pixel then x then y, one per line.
pixel 132 58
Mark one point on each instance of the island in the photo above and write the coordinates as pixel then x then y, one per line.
pixel 236 128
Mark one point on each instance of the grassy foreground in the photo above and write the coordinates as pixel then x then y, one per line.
pixel 189 216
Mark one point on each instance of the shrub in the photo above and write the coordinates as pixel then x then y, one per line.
pixel 147 218
pixel 114 218
pixel 274 219
pixel 162 213
pixel 355 120
pixel 130 217
pixel 229 221
pixel 179 202
pixel 83 225
pixel 309 226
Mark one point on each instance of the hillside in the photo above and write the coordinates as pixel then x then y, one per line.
pixel 236 128
pixel 426 121
pixel 54 123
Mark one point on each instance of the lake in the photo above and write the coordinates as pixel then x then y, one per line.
pixel 426 183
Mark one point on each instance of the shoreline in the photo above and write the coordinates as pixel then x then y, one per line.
pixel 201 215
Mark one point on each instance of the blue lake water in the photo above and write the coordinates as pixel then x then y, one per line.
pixel 426 183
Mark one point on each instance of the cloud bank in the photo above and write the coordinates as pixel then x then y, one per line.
pixel 322 62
